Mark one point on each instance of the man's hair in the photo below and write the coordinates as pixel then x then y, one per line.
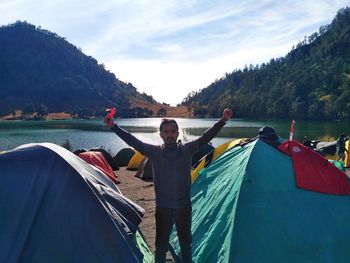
pixel 167 121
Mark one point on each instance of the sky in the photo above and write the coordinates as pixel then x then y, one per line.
pixel 169 48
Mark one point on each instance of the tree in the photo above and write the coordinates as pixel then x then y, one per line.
pixel 161 112
pixel 308 83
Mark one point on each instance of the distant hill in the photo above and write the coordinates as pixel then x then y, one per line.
pixel 41 72
pixel 311 82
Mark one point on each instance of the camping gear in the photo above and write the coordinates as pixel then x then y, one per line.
pixel 57 208
pixel 347 154
pixel 197 156
pixel 338 164
pixel 124 156
pixel 313 172
pixel 213 155
pixel 327 149
pixel 247 208
pixel 110 160
pixel 98 160
pixel 145 170
pixel 135 161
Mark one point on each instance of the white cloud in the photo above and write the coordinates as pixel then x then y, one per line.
pixel 171 82
pixel 170 48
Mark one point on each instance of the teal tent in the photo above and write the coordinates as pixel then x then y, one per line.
pixel 247 208
pixel 57 208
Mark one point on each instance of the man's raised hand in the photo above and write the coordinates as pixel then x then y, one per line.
pixel 227 114
pixel 109 122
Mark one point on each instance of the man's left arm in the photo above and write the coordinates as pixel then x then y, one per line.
pixel 209 134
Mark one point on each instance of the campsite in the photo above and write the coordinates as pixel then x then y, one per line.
pixel 270 183
pixel 249 197
pixel 175 131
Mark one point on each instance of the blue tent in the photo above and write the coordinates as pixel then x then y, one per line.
pixel 57 208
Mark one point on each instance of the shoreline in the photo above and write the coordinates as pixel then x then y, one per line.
pixel 157 110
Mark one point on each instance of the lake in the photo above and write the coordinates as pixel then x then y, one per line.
pixel 88 134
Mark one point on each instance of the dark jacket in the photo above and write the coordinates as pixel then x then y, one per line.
pixel 171 165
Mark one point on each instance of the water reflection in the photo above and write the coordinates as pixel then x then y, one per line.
pixel 93 133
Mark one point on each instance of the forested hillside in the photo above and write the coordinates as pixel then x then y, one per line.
pixel 311 82
pixel 42 72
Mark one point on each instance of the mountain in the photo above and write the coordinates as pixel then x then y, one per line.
pixel 311 82
pixel 41 72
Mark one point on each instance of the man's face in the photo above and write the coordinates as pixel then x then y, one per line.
pixel 169 133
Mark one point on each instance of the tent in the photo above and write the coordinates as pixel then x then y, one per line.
pixel 211 156
pixel 135 161
pixel 329 151
pixel 98 160
pixel 338 164
pixel 247 208
pixel 197 156
pixel 124 155
pixel 145 170
pixel 106 156
pixel 57 208
pixel 347 154
pixel 111 161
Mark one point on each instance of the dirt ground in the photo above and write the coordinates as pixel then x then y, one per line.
pixel 142 193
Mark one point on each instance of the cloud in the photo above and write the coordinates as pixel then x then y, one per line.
pixel 171 82
pixel 170 48
pixel 193 32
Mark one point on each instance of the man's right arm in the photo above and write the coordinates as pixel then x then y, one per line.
pixel 143 148
pixel 129 138
pixel 209 134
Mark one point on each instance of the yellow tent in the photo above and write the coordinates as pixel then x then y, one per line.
pixel 347 155
pixel 135 161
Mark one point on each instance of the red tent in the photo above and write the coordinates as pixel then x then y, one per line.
pixel 98 160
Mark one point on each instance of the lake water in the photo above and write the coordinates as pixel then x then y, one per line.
pixel 88 134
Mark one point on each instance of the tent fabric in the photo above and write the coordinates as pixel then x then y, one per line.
pixel 327 149
pixel 338 164
pixel 124 156
pixel 145 170
pixel 347 154
pixel 56 208
pixel 197 156
pixel 211 156
pixel 313 172
pixel 143 247
pixel 98 160
pixel 110 160
pixel 135 161
pixel 247 208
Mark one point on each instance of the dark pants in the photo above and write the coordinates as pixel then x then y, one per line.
pixel 165 219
